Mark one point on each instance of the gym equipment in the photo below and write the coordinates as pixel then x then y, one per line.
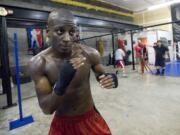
pixel 146 66
pixel 22 120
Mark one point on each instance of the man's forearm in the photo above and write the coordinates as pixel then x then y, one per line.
pixel 98 70
pixel 50 103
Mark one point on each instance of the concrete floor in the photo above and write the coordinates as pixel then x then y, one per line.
pixel 142 105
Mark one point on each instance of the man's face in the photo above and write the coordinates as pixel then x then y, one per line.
pixel 62 35
pixel 159 43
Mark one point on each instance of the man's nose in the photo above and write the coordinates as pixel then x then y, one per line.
pixel 66 37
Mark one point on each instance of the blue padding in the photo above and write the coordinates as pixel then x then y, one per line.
pixel 173 69
pixel 20 122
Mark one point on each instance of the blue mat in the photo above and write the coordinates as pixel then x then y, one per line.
pixel 173 69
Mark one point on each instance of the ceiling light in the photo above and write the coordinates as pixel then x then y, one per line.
pixel 164 4
pixel 99 23
pixel 76 20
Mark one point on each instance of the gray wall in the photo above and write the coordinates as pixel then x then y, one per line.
pixel 22 46
pixel 24 57
pixel 93 41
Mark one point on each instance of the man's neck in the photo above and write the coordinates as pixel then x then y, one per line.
pixel 61 55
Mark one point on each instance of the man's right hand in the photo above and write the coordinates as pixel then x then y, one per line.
pixel 78 62
pixel 67 73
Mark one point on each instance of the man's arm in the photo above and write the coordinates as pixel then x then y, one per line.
pixel 48 100
pixel 123 53
pixel 97 67
pixel 106 80
pixel 167 52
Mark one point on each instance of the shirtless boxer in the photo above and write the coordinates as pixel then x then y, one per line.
pixel 61 75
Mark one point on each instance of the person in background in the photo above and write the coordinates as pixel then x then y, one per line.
pixel 100 47
pixel 121 44
pixel 160 52
pixel 139 55
pixel 119 61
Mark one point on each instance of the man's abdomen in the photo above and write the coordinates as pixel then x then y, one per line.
pixel 75 103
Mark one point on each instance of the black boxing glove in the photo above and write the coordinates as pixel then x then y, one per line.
pixel 114 77
pixel 66 75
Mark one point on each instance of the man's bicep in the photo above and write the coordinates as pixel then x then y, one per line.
pixel 97 67
pixel 41 82
pixel 36 69
pixel 123 53
pixel 43 86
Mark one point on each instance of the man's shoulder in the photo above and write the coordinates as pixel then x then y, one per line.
pixel 136 46
pixel 89 50
pixel 165 47
pixel 37 63
pixel 155 47
pixel 92 53
pixel 118 50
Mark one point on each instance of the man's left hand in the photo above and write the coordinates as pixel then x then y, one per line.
pixel 108 81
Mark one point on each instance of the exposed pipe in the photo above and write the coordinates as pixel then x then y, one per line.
pixel 133 61
pixel 139 28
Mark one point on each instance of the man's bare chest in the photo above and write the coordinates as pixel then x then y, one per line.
pixel 53 67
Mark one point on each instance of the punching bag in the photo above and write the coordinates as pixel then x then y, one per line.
pixel 100 47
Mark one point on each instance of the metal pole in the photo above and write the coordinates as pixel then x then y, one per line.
pixel 6 83
pixel 133 63
pixel 139 28
pixel 113 46
pixel 17 76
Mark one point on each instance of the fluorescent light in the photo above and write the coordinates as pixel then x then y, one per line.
pixel 164 4
pixel 99 23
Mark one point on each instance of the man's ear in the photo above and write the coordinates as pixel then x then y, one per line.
pixel 47 35
pixel 47 32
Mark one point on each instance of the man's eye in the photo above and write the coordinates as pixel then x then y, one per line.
pixel 72 32
pixel 59 32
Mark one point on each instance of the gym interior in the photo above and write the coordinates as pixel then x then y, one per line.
pixel 144 103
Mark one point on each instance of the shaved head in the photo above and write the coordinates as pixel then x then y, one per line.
pixel 60 16
pixel 61 31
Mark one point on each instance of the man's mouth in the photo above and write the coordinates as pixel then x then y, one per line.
pixel 65 47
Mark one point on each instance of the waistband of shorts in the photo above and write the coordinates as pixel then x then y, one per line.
pixel 83 116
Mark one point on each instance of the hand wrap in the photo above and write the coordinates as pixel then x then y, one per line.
pixel 66 75
pixel 114 77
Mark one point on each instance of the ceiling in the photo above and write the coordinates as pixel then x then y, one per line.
pixel 135 5
pixel 24 18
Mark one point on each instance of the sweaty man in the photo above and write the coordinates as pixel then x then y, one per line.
pixel 61 75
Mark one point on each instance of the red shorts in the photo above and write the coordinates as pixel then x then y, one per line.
pixel 119 63
pixel 89 123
